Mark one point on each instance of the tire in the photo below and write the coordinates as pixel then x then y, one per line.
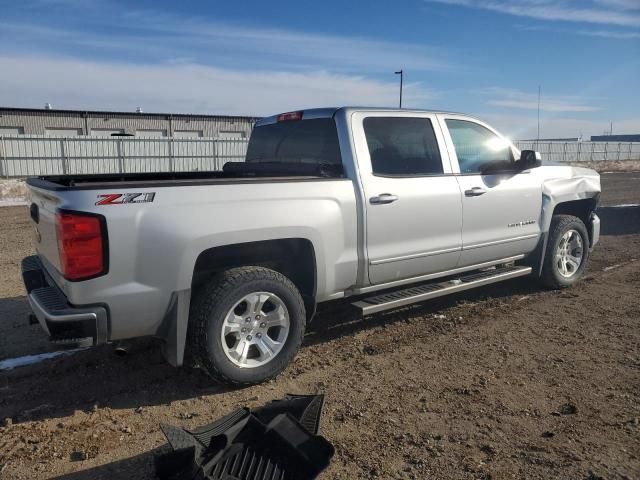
pixel 554 274
pixel 231 297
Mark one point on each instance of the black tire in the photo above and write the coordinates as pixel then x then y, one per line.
pixel 551 275
pixel 209 308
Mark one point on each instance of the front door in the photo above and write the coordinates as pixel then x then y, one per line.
pixel 413 203
pixel 501 205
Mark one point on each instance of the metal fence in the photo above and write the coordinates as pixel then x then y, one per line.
pixel 583 151
pixel 22 156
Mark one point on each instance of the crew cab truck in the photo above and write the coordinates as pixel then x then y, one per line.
pixel 387 207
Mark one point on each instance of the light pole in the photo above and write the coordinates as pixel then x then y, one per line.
pixel 401 73
pixel 538 135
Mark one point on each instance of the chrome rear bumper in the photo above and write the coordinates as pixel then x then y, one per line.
pixel 63 322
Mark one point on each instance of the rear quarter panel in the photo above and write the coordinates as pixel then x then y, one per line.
pixel 153 246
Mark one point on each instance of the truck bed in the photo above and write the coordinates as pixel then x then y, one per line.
pixel 233 172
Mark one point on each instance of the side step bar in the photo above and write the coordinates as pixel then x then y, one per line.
pixel 420 293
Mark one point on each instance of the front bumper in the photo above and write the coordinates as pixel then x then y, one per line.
pixel 63 322
pixel 594 230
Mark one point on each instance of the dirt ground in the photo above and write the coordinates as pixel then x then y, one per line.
pixel 505 382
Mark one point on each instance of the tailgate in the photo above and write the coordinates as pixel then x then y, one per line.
pixel 43 209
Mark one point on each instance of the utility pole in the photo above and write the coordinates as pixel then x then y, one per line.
pixel 401 73
pixel 538 137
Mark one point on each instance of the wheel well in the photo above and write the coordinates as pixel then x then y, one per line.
pixel 293 257
pixel 578 208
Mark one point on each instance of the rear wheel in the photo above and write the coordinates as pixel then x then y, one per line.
pixel 567 252
pixel 246 325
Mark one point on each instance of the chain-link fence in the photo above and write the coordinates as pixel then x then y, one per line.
pixel 22 156
pixel 583 151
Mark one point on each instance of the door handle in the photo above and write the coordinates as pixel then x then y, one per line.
pixel 383 198
pixel 475 192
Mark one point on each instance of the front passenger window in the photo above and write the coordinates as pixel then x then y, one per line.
pixel 478 149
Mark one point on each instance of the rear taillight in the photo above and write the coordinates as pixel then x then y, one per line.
pixel 81 244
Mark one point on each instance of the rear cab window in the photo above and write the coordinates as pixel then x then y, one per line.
pixel 313 141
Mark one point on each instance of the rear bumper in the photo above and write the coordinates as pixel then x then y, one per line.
pixel 594 230
pixel 63 322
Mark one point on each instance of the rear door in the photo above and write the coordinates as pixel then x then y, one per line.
pixel 501 205
pixel 413 203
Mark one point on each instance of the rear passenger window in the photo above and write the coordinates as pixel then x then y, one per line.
pixel 402 146
pixel 478 149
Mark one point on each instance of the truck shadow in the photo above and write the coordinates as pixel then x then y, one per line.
pixel 138 467
pixel 57 388
pixel 340 318
pixel 17 337
pixel 60 387
pixel 619 220
pixel 87 379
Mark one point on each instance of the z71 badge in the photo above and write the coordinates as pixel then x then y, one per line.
pixel 125 198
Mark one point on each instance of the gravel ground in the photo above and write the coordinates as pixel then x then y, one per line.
pixel 509 381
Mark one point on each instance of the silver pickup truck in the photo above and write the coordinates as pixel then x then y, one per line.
pixel 386 207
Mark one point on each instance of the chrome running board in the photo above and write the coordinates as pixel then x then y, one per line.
pixel 420 293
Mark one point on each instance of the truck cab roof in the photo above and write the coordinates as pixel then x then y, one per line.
pixel 327 112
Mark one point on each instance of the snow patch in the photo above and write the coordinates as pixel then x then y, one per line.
pixel 13 192
pixel 11 363
pixel 13 202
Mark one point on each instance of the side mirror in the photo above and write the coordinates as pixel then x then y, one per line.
pixel 529 159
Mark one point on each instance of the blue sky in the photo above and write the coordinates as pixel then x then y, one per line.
pixel 485 57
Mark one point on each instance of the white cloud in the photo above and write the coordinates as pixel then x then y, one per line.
pixel 160 38
pixel 614 34
pixel 511 98
pixel 609 34
pixel 609 12
pixel 187 88
pixel 119 59
pixel 620 4
pixel 518 127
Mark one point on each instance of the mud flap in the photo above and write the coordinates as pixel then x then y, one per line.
pixel 173 330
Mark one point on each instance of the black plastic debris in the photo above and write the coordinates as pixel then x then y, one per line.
pixel 279 441
pixel 307 409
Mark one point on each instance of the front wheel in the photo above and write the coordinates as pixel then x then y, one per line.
pixel 567 252
pixel 246 325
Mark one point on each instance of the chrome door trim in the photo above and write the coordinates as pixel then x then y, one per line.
pixel 498 242
pixel 413 255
